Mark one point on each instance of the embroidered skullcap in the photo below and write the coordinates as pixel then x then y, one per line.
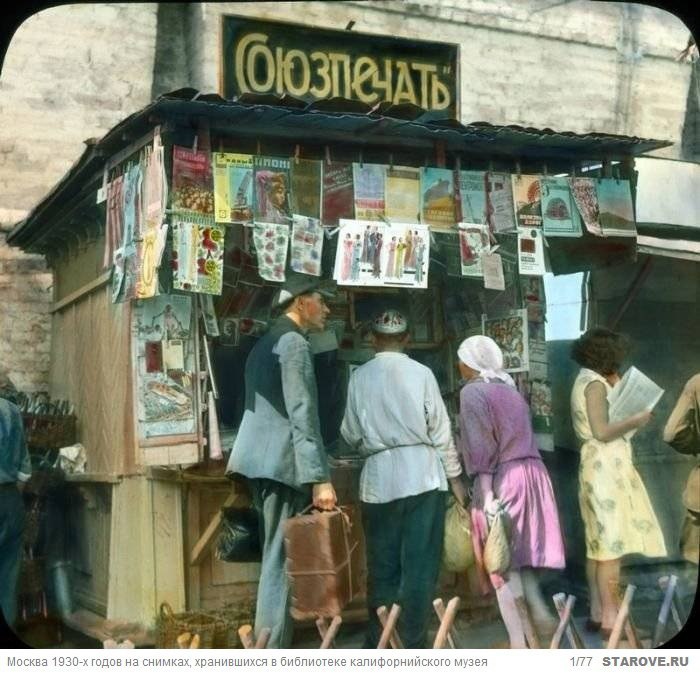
pixel 482 354
pixel 390 322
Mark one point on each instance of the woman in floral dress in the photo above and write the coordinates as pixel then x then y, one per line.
pixel 617 515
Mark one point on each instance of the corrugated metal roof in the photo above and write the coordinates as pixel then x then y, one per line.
pixel 333 120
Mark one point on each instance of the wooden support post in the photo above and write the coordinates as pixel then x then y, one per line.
pixel 263 637
pixel 622 621
pixel 665 610
pixel 676 609
pixel 529 629
pixel 575 640
pixel 245 634
pixel 448 618
pixel 564 619
pixel 328 632
pixel 439 607
pixel 206 540
pixel 388 621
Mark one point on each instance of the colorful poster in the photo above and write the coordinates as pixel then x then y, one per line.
pixel 307 180
pixel 165 397
pixel 114 224
pixel 193 185
pixel 559 213
pixel 438 197
pixel 616 214
pixel 307 245
pixel 510 332
pixel 154 184
pixel 338 196
pixel 499 203
pixel 377 254
pixel 233 186
pixel 541 406
pixel 526 200
pixel 271 200
pixel 473 241
pixel 271 243
pixel 368 185
pixel 402 188
pixel 584 193
pixel 472 196
pixel 532 288
pixel 198 256
pixel 531 251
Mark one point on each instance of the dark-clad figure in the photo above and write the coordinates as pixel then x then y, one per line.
pixel 15 471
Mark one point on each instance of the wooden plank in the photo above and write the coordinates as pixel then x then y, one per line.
pixel 192 497
pixel 171 454
pixel 389 620
pixel 167 440
pixel 446 623
pixel 575 640
pixel 622 618
pixel 564 619
pixel 201 547
pixel 439 607
pixel 83 290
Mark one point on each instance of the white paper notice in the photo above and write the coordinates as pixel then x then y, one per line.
pixel 492 267
pixel 531 252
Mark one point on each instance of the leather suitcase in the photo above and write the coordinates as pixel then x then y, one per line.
pixel 324 562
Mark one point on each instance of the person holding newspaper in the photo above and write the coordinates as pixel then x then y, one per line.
pixel 617 515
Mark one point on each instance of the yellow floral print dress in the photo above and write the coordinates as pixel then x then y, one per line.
pixel 617 515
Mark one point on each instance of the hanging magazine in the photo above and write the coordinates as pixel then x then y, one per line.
pixel 472 196
pixel 272 190
pixel 368 181
pixel 307 179
pixel 510 332
pixel 586 200
pixel 233 187
pixel 559 213
pixel 616 213
pixel 402 194
pixel 438 197
pixel 198 255
pixel 473 242
pixel 193 187
pixel 377 254
pixel 337 193
pixel 499 204
pixel 307 245
pixel 271 243
pixel 526 200
pixel 531 251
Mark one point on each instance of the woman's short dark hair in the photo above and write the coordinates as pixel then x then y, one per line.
pixel 601 350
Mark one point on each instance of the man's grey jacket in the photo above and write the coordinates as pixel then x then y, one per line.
pixel 280 436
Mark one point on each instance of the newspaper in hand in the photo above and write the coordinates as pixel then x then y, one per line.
pixel 634 393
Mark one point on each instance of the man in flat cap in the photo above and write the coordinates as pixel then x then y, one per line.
pixel 396 418
pixel 279 446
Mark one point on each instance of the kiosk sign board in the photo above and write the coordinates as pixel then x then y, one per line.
pixel 269 57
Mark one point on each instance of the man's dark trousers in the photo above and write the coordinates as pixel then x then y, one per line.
pixel 404 550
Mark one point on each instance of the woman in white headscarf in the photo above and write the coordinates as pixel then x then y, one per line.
pixel 499 449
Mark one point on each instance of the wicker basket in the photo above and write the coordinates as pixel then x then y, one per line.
pixel 171 625
pixel 230 619
pixel 47 431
